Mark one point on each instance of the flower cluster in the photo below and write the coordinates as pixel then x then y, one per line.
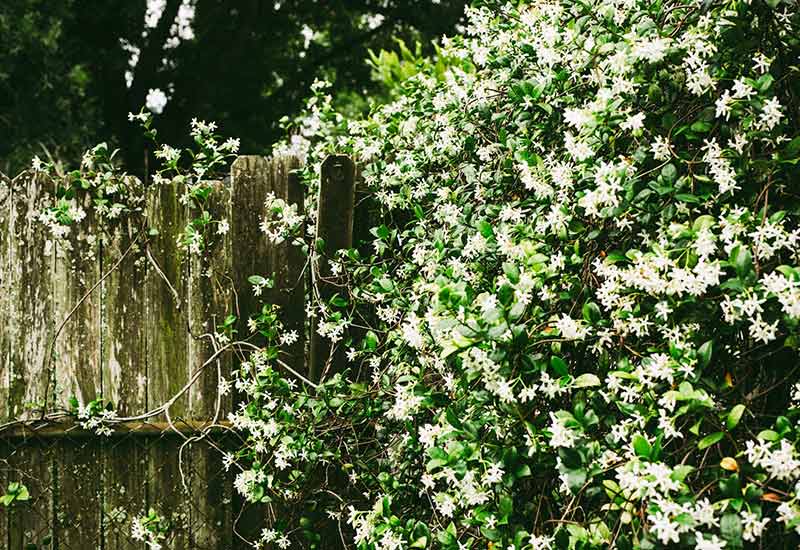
pixel 578 323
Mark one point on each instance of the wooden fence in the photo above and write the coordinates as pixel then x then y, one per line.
pixel 120 313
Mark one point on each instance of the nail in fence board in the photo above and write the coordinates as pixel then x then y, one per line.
pixel 335 230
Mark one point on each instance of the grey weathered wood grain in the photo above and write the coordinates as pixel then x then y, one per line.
pixel 210 300
pixel 287 262
pixel 124 358
pixel 211 512
pixel 167 495
pixel 167 336
pixel 166 325
pixel 249 188
pixel 335 229
pixel 29 268
pixel 5 296
pixel 77 311
pixel 123 338
pixel 253 178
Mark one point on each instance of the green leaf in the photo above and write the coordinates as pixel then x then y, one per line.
pixel 731 530
pixel 734 416
pixel 591 312
pixel 703 222
pixel 370 341
pixel 705 352
pixel 559 365
pixel 710 440
pixel 586 380
pixel 742 260
pixel 640 446
pixel 701 127
pixel 512 272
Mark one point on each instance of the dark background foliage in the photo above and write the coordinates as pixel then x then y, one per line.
pixel 62 85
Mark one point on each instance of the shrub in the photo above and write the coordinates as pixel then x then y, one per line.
pixel 578 325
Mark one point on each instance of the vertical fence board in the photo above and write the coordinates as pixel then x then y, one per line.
pixel 253 178
pixel 124 350
pixel 5 450
pixel 211 513
pixel 210 301
pixel 76 302
pixel 77 312
pixel 335 228
pixel 168 496
pixel 29 271
pixel 249 188
pixel 167 347
pixel 285 263
pixel 166 318
pixel 31 522
pixel 5 297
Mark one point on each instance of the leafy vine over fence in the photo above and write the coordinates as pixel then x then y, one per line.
pixel 120 314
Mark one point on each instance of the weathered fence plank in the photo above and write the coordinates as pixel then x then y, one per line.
pixel 124 346
pixel 210 300
pixel 76 301
pixel 211 514
pixel 168 495
pixel 334 232
pixel 124 489
pixel 249 188
pixel 135 339
pixel 124 376
pixel 167 343
pixel 5 296
pixel 285 264
pixel 166 311
pixel 29 269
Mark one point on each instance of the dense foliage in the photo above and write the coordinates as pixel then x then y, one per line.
pixel 577 326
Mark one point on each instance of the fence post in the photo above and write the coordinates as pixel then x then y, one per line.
pixel 335 214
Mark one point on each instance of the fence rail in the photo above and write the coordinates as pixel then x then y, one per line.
pixel 121 313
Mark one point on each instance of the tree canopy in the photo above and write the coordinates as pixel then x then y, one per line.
pixel 63 65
